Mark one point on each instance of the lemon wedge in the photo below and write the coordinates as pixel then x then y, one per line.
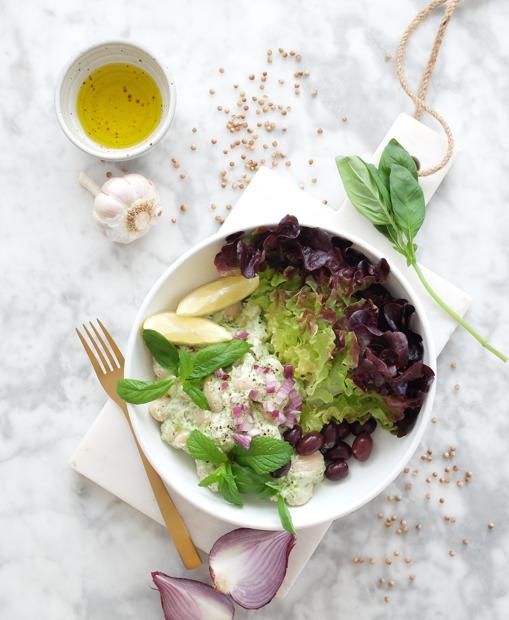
pixel 186 329
pixel 217 295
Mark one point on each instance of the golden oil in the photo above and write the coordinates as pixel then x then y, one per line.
pixel 119 105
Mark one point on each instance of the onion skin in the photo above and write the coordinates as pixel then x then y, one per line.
pixel 241 565
pixel 187 599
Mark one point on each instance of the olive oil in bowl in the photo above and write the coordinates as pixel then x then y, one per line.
pixel 119 105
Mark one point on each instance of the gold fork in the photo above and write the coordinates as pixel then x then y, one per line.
pixel 108 363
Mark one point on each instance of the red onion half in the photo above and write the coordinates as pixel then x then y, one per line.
pixel 250 565
pixel 192 600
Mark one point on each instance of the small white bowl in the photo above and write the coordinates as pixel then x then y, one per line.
pixel 78 69
pixel 331 499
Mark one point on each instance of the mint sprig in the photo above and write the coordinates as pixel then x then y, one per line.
pixel 391 198
pixel 238 473
pixel 190 368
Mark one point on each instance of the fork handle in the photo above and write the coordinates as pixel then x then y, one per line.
pixel 174 523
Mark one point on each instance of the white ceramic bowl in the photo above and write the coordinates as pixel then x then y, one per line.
pixel 78 69
pixel 331 499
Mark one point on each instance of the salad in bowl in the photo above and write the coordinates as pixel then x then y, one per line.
pixel 274 376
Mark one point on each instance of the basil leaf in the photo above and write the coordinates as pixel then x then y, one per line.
pixel 202 448
pixel 214 477
pixel 392 154
pixel 215 356
pixel 228 487
pixel 161 349
pixel 249 481
pixel 185 364
pixel 407 201
pixel 363 190
pixel 196 395
pixel 138 392
pixel 284 515
pixel 265 454
pixel 376 177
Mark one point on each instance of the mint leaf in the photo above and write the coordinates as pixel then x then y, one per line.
pixel 161 349
pixel 249 482
pixel 392 154
pixel 185 364
pixel 284 515
pixel 265 454
pixel 228 487
pixel 138 392
pixel 214 477
pixel 196 395
pixel 202 448
pixel 215 356
pixel 407 201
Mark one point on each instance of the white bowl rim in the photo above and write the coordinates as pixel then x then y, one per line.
pixel 126 153
pixel 418 432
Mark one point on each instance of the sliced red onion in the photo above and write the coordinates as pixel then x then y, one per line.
pixel 224 385
pixel 221 374
pixel 250 565
pixel 242 440
pixel 237 411
pixel 288 371
pixel 192 600
pixel 253 394
pixel 241 335
pixel 253 432
pixel 284 390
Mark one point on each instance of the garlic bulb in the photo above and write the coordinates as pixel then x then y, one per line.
pixel 125 207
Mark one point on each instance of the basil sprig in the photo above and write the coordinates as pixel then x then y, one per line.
pixel 391 198
pixel 189 368
pixel 245 471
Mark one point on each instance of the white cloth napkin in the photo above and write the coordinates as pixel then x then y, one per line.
pixel 107 454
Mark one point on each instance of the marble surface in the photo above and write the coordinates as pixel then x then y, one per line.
pixel 69 550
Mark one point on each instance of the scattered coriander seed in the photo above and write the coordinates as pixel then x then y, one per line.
pixel 183 208
pixel 219 108
pixel 380 515
pixel 452 553
pixel 434 420
pixel 225 151
pixel 221 69
pixel 311 162
pixel 456 387
pixel 408 486
pixel 371 561
pixel 251 76
pixel 301 186
pixel 325 202
pixel 319 131
pixel 220 219
pixel 182 175
pixel 194 130
pixel 381 581
pixel 288 163
pixel 411 577
pixel 391 583
pixel 212 91
pixel 229 207
pixel 388 56
pixel 387 599
pixel 408 560
pixel 344 119
pixel 406 470
pixel 466 541
pixel 173 220
pixel 459 483
pixel 491 525
pixel 446 455
pixel 395 553
pixel 388 561
pixel 213 206
pixel 453 364
pixel 418 526
pixel 109 174
pixel 314 92
pixel 314 180
pixel 193 147
pixel 442 500
pixel 231 164
pixel 292 53
pixel 124 168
